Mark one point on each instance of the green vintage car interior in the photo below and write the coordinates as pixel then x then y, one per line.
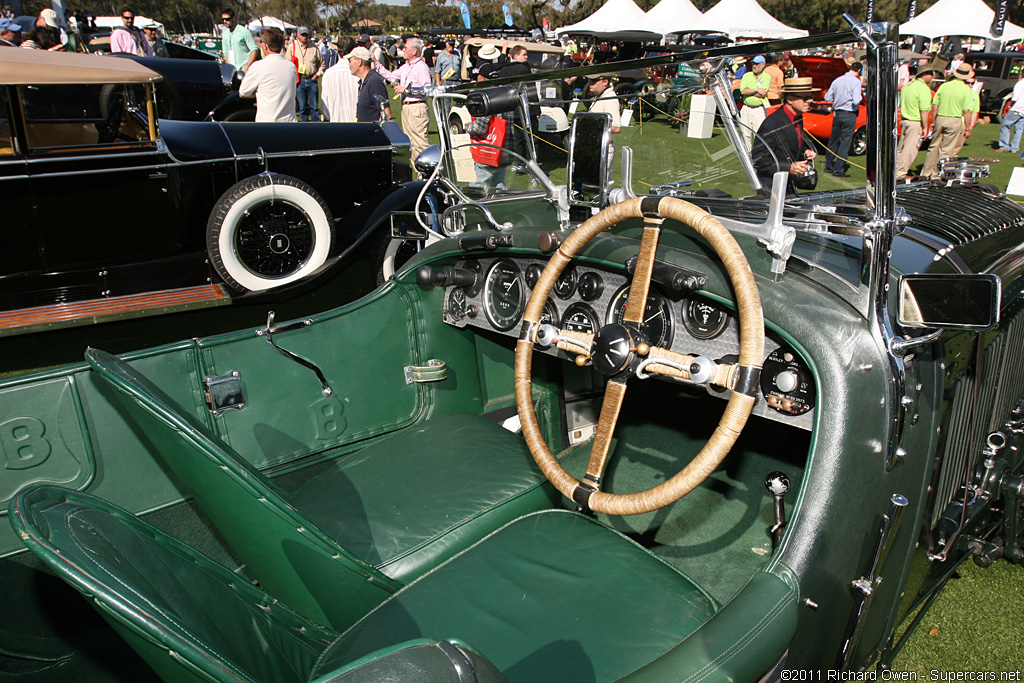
pixel 420 485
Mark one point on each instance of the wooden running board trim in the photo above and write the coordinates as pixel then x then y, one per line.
pixel 26 320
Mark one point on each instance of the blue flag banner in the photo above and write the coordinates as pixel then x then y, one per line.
pixel 464 8
pixel 508 15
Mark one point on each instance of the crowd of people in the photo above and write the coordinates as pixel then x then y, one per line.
pixel 300 77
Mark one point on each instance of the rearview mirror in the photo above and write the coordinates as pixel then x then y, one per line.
pixel 590 142
pixel 961 302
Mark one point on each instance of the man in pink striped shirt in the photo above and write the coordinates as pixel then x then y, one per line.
pixel 129 39
pixel 413 74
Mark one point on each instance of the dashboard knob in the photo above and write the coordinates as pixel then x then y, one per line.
pixel 787 381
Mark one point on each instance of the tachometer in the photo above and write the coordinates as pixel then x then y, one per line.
pixel 657 318
pixel 504 294
pixel 704 319
pixel 580 318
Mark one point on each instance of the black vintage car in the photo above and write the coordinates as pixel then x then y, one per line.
pixel 111 210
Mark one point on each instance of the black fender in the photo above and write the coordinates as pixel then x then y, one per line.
pixel 402 199
pixel 231 103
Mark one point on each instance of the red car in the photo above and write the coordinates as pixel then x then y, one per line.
pixel 818 119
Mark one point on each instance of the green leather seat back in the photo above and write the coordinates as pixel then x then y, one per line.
pixel 355 533
pixel 291 558
pixel 188 617
pixel 553 596
pixel 192 619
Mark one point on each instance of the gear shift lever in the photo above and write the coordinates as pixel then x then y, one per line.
pixel 777 484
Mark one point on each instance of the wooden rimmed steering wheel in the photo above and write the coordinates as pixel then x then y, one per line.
pixel 620 351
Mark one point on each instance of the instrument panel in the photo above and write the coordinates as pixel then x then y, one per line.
pixel 585 299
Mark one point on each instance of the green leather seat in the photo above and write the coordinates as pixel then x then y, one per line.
pixel 192 619
pixel 551 596
pixel 354 534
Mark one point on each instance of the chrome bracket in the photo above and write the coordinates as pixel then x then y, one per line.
pixel 223 393
pixel 269 332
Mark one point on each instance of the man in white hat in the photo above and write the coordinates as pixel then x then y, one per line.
pixel 952 99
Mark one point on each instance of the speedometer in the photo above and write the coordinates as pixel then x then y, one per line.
pixel 504 295
pixel 656 322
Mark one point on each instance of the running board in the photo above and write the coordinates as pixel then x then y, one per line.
pixel 25 320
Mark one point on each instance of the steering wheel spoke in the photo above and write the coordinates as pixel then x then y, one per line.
pixel 682 366
pixel 580 343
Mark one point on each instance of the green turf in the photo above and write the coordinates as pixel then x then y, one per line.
pixel 975 625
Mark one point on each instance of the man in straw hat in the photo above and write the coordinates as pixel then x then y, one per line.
pixel 915 113
pixel 952 99
pixel 780 143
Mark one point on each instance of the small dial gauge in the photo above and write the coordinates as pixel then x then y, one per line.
pixel 565 286
pixel 787 383
pixel 657 318
pixel 580 318
pixel 549 316
pixel 455 303
pixel 591 286
pixel 704 319
pixel 504 294
pixel 533 272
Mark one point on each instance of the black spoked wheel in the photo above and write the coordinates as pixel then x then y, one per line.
pixel 268 231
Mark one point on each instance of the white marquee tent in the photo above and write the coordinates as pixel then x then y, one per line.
pixel 269 22
pixel 745 19
pixel 958 18
pixel 671 16
pixel 614 15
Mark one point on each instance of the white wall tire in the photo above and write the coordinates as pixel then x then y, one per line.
pixel 268 231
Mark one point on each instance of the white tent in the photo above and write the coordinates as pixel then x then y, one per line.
pixel 958 18
pixel 745 19
pixel 269 22
pixel 671 16
pixel 614 15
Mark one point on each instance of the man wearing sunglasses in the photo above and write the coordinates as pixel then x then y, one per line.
pixel 128 39
pixel 237 44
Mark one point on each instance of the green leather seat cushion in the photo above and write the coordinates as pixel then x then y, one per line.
pixel 426 493
pixel 553 596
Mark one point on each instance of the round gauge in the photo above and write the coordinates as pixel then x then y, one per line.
pixel 787 383
pixel 549 316
pixel 657 318
pixel 533 272
pixel 565 286
pixel 504 294
pixel 455 304
pixel 580 318
pixel 704 319
pixel 591 286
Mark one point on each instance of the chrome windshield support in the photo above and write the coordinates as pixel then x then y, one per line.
pixel 722 92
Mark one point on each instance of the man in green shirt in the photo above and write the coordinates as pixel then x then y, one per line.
pixel 236 42
pixel 754 91
pixel 915 115
pixel 952 99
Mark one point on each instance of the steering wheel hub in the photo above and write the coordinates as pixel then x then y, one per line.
pixel 613 349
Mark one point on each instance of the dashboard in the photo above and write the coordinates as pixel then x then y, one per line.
pixel 586 298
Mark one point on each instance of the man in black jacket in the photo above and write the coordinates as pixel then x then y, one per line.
pixel 780 143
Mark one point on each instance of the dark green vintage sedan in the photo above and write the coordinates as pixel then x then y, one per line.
pixel 628 417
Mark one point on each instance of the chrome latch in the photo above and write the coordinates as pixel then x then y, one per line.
pixel 223 393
